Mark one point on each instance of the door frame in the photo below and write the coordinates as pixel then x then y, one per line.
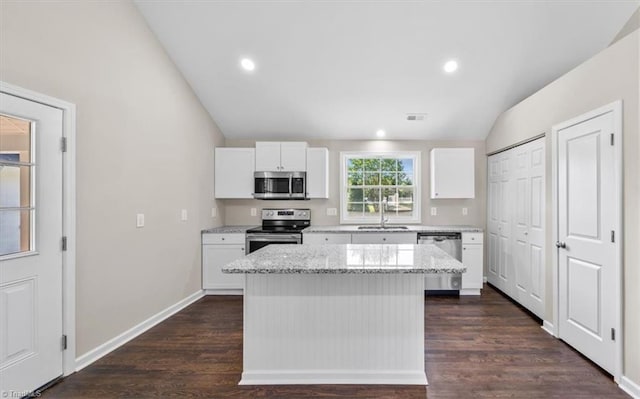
pixel 68 215
pixel 616 109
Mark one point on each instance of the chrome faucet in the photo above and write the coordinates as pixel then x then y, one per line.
pixel 383 208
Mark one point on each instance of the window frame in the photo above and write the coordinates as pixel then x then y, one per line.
pixel 417 186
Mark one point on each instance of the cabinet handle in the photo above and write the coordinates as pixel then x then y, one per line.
pixel 384 239
pixel 242 249
pixel 222 238
pixel 326 239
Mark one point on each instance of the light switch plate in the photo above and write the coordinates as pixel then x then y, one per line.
pixel 332 211
pixel 254 212
pixel 434 211
pixel 183 215
pixel 140 220
pixel 465 211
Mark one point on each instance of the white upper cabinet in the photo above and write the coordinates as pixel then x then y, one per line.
pixel 317 173
pixel 288 156
pixel 452 173
pixel 234 169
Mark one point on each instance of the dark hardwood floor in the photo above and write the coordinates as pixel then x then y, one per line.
pixel 475 348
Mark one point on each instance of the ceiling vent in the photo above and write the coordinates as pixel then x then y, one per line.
pixel 416 117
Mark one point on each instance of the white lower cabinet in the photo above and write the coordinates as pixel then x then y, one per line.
pixel 472 258
pixel 384 238
pixel 315 238
pixel 217 251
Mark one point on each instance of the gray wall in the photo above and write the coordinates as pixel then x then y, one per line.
pixel 449 211
pixel 611 75
pixel 144 144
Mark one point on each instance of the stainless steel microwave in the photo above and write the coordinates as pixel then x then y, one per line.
pixel 280 185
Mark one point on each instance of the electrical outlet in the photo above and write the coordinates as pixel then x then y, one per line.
pixel 465 211
pixel 140 220
pixel 434 211
pixel 214 212
pixel 254 212
pixel 183 215
pixel 332 211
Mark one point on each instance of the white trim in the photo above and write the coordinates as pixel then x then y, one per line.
pixel 114 343
pixel 548 328
pixel 616 109
pixel 417 186
pixel 629 387
pixel 223 291
pixel 469 292
pixel 296 377
pixel 68 215
pixel 484 279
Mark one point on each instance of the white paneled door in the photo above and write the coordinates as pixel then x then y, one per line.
pixel 528 235
pixel 587 257
pixel 30 245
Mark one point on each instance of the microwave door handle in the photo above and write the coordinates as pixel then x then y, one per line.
pixel 290 185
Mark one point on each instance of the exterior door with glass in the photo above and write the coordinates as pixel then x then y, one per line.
pixel 30 245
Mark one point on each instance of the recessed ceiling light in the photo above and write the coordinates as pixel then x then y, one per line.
pixel 247 64
pixel 380 133
pixel 450 66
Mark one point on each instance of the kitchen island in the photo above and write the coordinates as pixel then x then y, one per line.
pixel 336 314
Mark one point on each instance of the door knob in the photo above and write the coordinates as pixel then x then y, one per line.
pixel 561 244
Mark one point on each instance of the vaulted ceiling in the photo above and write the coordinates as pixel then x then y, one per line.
pixel 345 69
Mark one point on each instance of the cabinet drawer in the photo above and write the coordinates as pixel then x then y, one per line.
pixel 223 238
pixel 472 238
pixel 326 238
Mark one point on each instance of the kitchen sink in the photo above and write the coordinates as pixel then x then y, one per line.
pixel 381 228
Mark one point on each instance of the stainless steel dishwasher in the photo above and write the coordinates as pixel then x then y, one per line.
pixel 451 243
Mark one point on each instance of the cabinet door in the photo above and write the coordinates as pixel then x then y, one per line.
pixel 384 238
pixel 472 259
pixel 214 258
pixel 293 156
pixel 317 173
pixel 452 173
pixel 315 238
pixel 268 156
pixel 238 184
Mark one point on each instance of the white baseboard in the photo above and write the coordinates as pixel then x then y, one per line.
pixel 548 327
pixel 223 291
pixel 469 291
pixel 114 343
pixel 484 279
pixel 630 387
pixel 311 377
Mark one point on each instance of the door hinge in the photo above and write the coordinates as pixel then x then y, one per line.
pixel 613 236
pixel 64 243
pixel 64 342
pixel 63 144
pixel 612 138
pixel 613 334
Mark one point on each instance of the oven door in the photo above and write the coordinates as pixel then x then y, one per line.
pixel 258 240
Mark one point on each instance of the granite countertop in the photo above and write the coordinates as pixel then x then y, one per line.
pixel 410 229
pixel 228 230
pixel 347 258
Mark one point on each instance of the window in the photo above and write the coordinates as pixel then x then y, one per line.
pixel 16 186
pixel 372 180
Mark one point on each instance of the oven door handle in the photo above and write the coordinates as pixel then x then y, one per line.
pixel 280 237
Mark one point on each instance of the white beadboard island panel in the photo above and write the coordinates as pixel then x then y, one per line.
pixel 334 329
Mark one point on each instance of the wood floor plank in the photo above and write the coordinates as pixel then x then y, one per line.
pixel 475 348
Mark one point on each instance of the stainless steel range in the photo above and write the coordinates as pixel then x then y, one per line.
pixel 279 226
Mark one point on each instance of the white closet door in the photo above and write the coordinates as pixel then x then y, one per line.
pixel 528 232
pixel 505 198
pixel 536 235
pixel 493 216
